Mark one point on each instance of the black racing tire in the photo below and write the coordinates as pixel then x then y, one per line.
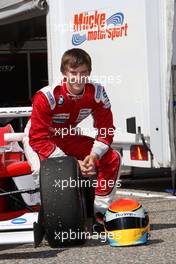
pixel 89 194
pixel 64 208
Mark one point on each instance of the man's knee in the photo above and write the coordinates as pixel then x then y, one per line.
pixel 112 157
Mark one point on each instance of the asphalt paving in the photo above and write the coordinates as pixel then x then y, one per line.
pixel 160 249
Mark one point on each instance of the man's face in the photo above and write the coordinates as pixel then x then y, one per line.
pixel 76 78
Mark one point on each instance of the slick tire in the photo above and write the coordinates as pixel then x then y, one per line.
pixel 62 201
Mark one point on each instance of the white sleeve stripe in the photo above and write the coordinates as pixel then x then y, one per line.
pixel 48 91
pixel 57 153
pixel 99 148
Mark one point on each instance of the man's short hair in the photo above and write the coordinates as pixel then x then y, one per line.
pixel 74 58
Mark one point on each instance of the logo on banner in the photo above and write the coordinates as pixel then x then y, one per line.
pixel 98 26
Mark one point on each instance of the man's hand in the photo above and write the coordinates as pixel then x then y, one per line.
pixel 87 166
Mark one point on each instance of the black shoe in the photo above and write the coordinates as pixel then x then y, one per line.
pixel 98 225
pixel 98 228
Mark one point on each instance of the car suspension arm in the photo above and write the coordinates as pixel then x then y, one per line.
pixel 11 195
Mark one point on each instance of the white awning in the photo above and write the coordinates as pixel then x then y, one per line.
pixel 17 10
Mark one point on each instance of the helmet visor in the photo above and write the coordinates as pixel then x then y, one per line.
pixel 126 223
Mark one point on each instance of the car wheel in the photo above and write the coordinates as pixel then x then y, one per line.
pixel 62 201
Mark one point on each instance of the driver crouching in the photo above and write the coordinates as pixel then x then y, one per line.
pixel 59 108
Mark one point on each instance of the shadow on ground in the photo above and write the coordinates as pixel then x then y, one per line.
pixel 156 183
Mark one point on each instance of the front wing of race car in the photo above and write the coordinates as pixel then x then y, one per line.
pixel 18 230
pixel 27 215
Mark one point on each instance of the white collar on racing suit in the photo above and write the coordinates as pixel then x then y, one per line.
pixel 75 96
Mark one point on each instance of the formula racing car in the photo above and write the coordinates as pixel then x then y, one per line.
pixel 29 213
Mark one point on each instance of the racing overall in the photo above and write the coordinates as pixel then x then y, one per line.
pixel 52 133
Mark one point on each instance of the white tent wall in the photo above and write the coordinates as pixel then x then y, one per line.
pixel 171 14
pixel 174 36
pixel 160 20
pixel 17 10
pixel 156 111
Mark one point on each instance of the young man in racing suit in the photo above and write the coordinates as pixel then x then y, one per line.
pixel 58 110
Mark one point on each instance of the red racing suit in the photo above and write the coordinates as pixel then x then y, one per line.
pixel 56 112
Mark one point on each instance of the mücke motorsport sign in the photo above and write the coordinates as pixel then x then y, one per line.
pixel 90 26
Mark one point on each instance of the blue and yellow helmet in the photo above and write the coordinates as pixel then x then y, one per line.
pixel 126 223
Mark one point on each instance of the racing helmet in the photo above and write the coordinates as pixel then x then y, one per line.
pixel 126 223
